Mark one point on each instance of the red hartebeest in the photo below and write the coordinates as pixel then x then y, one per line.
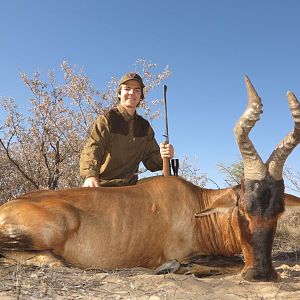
pixel 154 222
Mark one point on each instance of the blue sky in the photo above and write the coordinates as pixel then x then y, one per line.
pixel 208 46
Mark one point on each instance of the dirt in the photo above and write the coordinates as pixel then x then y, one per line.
pixel 27 282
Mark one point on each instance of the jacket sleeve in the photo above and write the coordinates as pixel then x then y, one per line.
pixel 94 149
pixel 152 159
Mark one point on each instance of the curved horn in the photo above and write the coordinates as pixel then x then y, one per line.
pixel 254 168
pixel 277 159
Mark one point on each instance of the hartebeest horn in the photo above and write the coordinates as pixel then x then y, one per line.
pixel 277 159
pixel 254 168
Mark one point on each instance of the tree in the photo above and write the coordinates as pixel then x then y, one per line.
pixel 188 171
pixel 40 148
pixel 233 172
pixel 292 178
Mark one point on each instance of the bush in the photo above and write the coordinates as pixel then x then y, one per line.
pixel 287 238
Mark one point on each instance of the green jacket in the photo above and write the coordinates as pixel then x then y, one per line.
pixel 117 144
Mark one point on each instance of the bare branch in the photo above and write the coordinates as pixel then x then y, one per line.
pixel 17 165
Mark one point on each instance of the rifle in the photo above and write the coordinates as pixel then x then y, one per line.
pixel 166 161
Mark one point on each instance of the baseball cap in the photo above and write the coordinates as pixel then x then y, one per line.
pixel 132 76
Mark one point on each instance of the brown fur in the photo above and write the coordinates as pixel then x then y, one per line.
pixel 138 226
pixel 108 228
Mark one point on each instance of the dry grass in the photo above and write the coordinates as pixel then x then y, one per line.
pixel 287 238
pixel 28 282
pixel 25 282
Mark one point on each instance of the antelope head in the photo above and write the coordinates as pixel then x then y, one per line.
pixel 262 189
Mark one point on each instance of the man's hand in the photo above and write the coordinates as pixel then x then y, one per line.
pixel 91 182
pixel 166 150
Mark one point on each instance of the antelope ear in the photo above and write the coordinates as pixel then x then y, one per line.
pixel 221 205
pixel 291 200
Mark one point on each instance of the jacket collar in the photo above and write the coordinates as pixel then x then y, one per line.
pixel 127 117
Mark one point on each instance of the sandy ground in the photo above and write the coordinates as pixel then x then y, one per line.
pixel 27 282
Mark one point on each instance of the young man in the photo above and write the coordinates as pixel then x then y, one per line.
pixel 120 140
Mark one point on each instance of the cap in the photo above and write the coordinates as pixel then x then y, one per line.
pixel 132 76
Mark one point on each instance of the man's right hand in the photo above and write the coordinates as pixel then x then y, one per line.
pixel 91 182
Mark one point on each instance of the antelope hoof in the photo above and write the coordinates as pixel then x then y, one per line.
pixel 170 266
pixel 253 274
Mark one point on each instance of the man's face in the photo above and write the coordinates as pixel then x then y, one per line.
pixel 130 94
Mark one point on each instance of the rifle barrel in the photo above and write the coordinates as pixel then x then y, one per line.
pixel 166 115
pixel 166 161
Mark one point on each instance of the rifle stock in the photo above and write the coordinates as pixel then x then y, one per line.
pixel 166 167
